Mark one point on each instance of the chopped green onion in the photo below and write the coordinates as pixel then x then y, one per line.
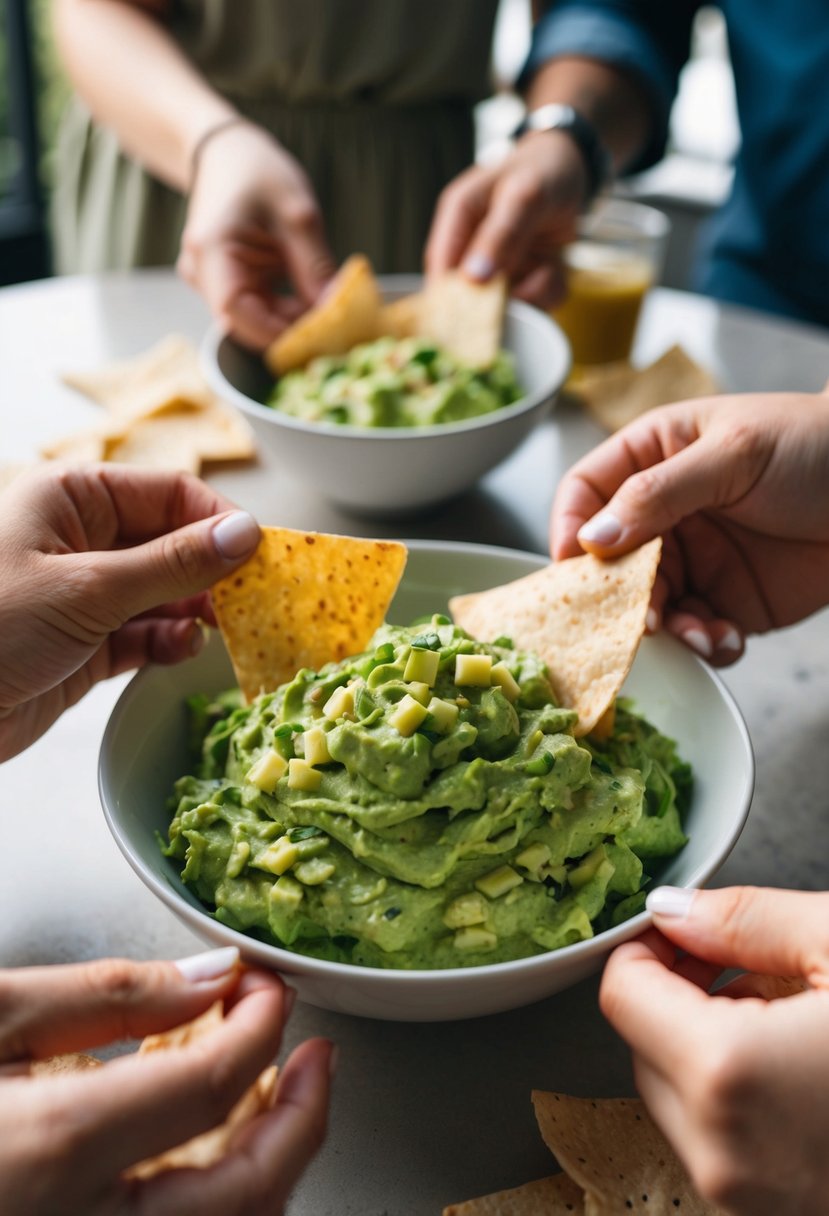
pixel 540 766
pixel 304 833
pixel 288 728
pixel 384 653
pixel 504 642
pixel 426 641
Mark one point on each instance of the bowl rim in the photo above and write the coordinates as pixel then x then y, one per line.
pixel 395 285
pixel 289 961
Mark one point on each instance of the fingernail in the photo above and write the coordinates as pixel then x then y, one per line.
pixel 209 965
pixel 333 1059
pixel 603 529
pixel 236 535
pixel 479 266
pixel 730 640
pixel 670 901
pixel 698 641
pixel 651 621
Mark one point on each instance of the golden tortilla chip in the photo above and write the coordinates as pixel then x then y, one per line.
pixel 585 618
pixel 206 1149
pixel 555 1196
pixel 70 1061
pixel 83 447
pixel 612 1148
pixel 302 600
pixel 617 394
pixel 164 385
pixel 348 314
pixel 402 318
pixel 464 317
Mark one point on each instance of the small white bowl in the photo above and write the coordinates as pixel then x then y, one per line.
pixel 144 751
pixel 387 472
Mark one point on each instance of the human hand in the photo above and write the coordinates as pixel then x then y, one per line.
pixel 102 569
pixel 66 1139
pixel 253 222
pixel 513 217
pixel 739 489
pixel 738 1083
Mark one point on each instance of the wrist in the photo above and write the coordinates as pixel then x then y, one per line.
pixel 208 135
pixel 555 117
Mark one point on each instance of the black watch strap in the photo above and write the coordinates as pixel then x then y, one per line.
pixel 556 116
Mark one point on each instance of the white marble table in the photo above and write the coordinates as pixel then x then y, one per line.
pixel 423 1114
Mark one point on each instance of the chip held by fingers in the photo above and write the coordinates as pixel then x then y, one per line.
pixel 304 599
pixel 585 617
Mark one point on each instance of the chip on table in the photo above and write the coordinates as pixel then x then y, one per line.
pixel 617 394
pixel 585 617
pixel 302 600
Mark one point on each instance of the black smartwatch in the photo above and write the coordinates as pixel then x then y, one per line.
pixel 556 116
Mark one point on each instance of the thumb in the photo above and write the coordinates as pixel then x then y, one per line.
pixel 650 502
pixel 174 566
pixel 757 929
pixel 51 1010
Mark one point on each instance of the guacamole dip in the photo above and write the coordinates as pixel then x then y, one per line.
pixel 395 382
pixel 423 804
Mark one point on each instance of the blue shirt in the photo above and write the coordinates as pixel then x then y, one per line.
pixel 768 247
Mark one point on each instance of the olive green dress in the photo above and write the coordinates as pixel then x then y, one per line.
pixel 373 97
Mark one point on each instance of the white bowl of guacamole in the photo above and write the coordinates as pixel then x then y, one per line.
pixel 377 450
pixel 388 908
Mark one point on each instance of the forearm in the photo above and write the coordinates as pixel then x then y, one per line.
pixel 133 77
pixel 613 101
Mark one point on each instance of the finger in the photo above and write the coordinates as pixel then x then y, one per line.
pixel 720 642
pixel 252 320
pixel 644 1000
pixel 542 286
pixel 50 1010
pixel 762 987
pixel 310 262
pixel 153 641
pixel 267 1157
pixel 507 231
pixel 460 209
pixel 176 565
pixel 768 931
pixel 139 1105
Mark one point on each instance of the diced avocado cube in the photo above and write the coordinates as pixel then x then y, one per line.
pixel 267 770
pixel 301 776
pixel 287 893
pixel 407 716
pixel 475 937
pixel 473 670
pixel 314 871
pixel 316 746
pixel 420 691
pixel 340 704
pixel 278 857
pixel 468 909
pixel 444 713
pixel 588 867
pixel 506 681
pixel 533 857
pixel 498 882
pixel 238 859
pixel 422 665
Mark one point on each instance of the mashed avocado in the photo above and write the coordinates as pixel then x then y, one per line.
pixel 422 805
pixel 395 382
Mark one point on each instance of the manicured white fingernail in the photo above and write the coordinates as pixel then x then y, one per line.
pixel 651 621
pixel 210 965
pixel 698 641
pixel 670 901
pixel 236 535
pixel 603 529
pixel 730 640
pixel 479 266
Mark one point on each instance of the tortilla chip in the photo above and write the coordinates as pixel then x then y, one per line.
pixel 555 1196
pixel 206 1149
pixel 617 394
pixel 402 318
pixel 82 447
pixel 348 314
pixel 464 317
pixel 164 382
pixel 302 600
pixel 71 1061
pixel 612 1148
pixel 585 618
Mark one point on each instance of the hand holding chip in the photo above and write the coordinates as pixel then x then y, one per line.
pixel 738 1081
pixel 105 568
pixel 739 489
pixel 252 220
pixel 513 218
pixel 72 1133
